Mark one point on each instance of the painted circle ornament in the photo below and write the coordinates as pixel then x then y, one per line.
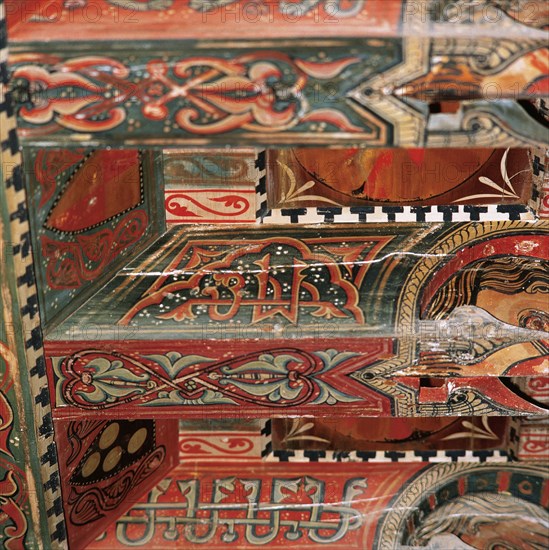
pixel 458 505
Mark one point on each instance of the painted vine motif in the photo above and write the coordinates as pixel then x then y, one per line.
pixel 293 8
pixel 203 95
pixel 71 264
pixel 209 205
pixel 96 380
pixel 13 484
pixel 210 186
pixel 13 513
pixel 338 383
pixel 342 8
pixel 93 504
pixel 208 445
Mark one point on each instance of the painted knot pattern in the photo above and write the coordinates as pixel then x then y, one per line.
pixel 242 510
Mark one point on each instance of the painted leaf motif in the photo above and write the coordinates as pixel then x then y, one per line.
pixel 504 174
pixel 173 362
pixel 105 391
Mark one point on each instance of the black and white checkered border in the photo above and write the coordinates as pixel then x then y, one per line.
pixel 261 185
pixel 270 455
pixel 399 214
pixel 266 440
pixel 15 196
pixel 388 456
pixel 540 171
pixel 513 436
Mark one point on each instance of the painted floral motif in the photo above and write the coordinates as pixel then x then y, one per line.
pixel 136 5
pixel 293 8
pixel 297 432
pixel 13 521
pixel 295 195
pixel 505 190
pixel 474 432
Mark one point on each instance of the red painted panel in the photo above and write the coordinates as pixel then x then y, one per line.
pixel 177 19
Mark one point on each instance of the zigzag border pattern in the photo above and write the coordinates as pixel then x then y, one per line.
pixel 261 186
pixel 15 196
